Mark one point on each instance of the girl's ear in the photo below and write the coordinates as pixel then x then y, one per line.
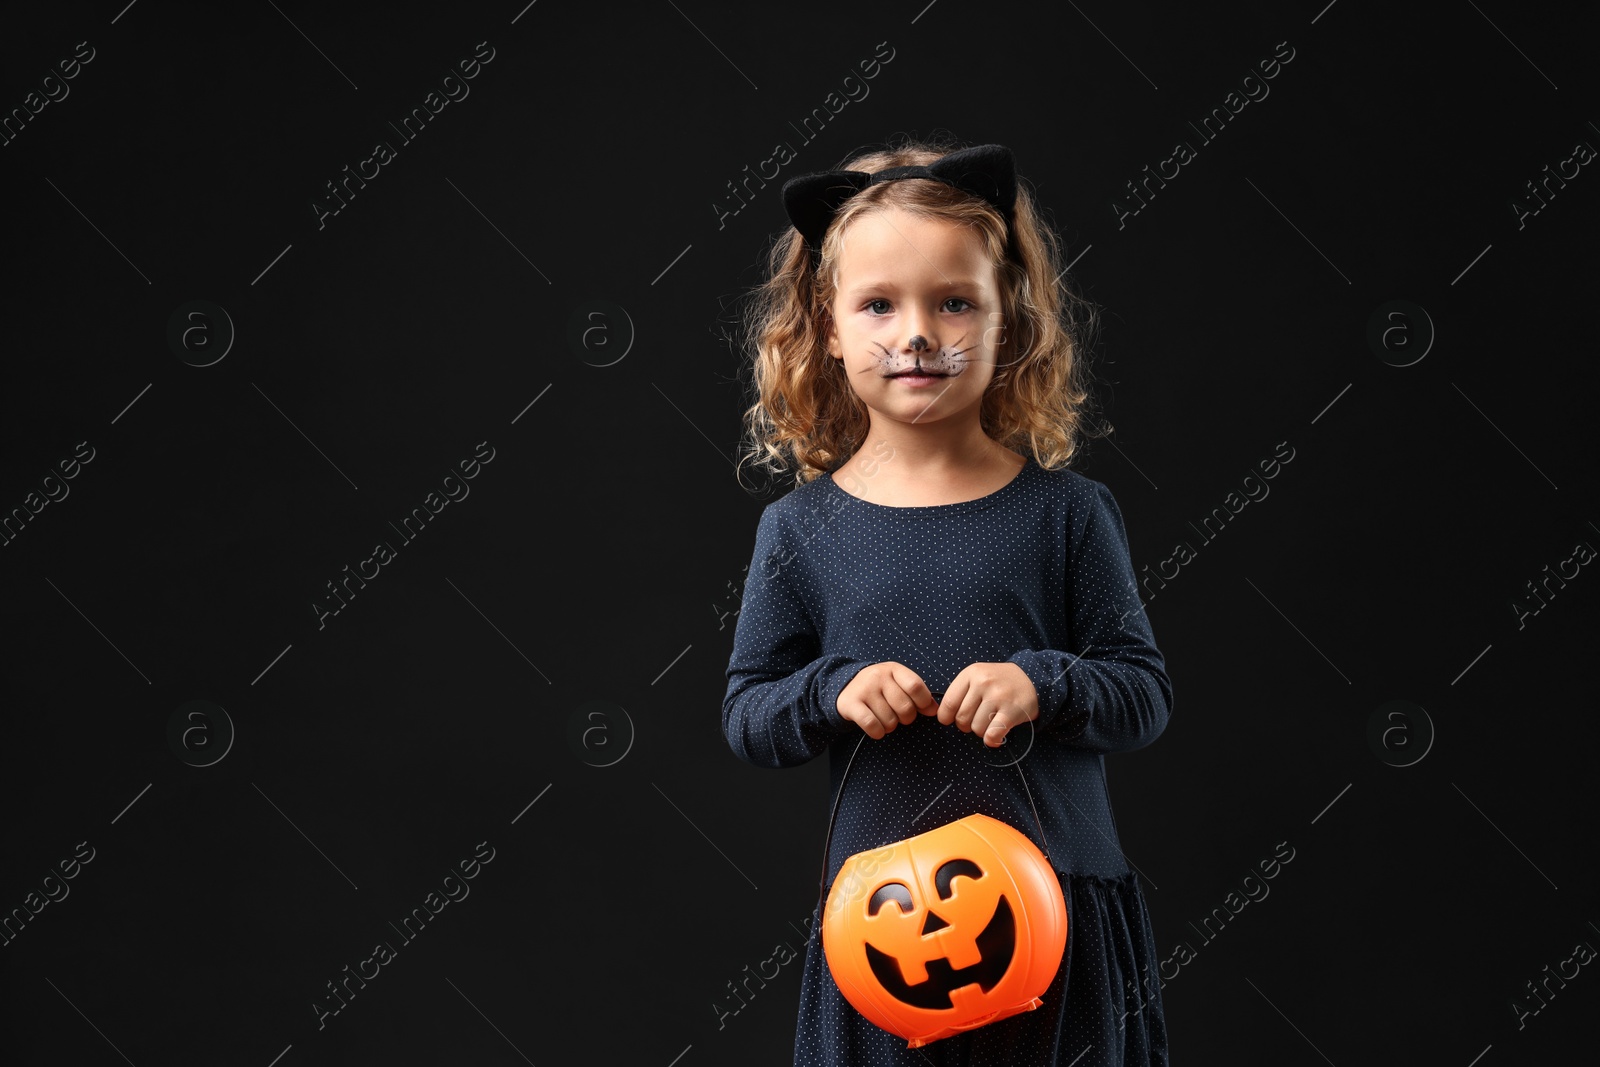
pixel 832 336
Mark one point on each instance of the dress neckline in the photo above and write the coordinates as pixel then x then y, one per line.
pixel 976 504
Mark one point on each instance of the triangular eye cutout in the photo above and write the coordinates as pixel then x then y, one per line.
pixel 933 923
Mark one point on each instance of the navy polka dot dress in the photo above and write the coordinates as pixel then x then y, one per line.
pixel 1037 573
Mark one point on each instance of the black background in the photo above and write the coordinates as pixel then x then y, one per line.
pixel 599 555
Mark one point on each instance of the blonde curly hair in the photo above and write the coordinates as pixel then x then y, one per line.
pixel 806 416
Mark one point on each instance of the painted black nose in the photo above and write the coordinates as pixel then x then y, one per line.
pixel 933 923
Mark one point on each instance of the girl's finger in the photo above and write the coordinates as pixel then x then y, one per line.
pixel 982 716
pixel 904 706
pixel 914 687
pixel 994 720
pixel 994 733
pixel 951 704
pixel 968 713
pixel 887 719
pixel 862 715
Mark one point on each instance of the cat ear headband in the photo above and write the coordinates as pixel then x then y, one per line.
pixel 986 171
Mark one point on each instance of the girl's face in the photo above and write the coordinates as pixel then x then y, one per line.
pixel 915 317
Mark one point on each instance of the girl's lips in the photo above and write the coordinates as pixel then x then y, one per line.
pixel 919 380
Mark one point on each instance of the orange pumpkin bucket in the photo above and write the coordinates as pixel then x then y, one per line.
pixel 946 931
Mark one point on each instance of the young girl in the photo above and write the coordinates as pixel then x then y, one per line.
pixel 938 584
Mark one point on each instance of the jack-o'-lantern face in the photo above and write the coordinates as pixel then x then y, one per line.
pixel 946 931
pixel 980 950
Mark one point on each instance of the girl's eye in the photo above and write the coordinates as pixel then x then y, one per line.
pixel 872 304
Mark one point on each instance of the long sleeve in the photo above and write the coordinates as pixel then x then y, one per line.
pixel 781 705
pixel 1110 692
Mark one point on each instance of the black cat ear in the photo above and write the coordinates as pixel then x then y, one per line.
pixel 812 200
pixel 987 171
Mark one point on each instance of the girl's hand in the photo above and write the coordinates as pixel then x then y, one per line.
pixel 989 699
pixel 883 696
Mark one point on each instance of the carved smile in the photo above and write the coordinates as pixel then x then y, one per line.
pixel 996 945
